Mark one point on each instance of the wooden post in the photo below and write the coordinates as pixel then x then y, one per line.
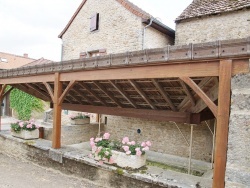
pixel 1 99
pixel 225 73
pixel 56 140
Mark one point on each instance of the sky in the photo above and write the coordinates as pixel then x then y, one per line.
pixel 33 26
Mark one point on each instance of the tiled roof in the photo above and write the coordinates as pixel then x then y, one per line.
pixel 38 62
pixel 127 4
pixel 207 7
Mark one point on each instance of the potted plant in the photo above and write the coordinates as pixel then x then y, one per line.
pixel 79 119
pixel 25 129
pixel 125 153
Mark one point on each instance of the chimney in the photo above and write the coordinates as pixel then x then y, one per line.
pixel 25 55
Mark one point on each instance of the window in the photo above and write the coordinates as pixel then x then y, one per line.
pixel 93 53
pixel 94 22
pixel 3 60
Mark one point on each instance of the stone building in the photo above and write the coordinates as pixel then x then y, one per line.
pixel 206 21
pixel 115 26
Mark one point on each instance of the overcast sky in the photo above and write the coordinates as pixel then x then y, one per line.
pixel 33 26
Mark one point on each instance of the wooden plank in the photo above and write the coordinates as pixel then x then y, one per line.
pixel 159 115
pixel 68 88
pixel 3 87
pixel 189 95
pixel 164 95
pixel 201 94
pixel 31 91
pixel 50 90
pixel 143 95
pixel 38 91
pixel 92 93
pixel 222 123
pixel 201 69
pixel 120 90
pixel 107 93
pixel 7 92
pixel 57 110
pixel 29 79
pixel 212 93
pixel 83 95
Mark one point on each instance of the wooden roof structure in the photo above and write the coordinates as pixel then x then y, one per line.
pixel 185 84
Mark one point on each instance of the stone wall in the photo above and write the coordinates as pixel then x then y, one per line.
pixel 164 135
pixel 119 31
pixel 238 155
pixel 211 28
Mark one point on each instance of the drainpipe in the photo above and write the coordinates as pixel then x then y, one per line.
pixel 144 31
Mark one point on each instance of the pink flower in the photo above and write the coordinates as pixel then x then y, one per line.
pixel 126 148
pixel 92 139
pixel 21 124
pixel 29 126
pixel 145 149
pixel 99 149
pixel 128 152
pixel 92 143
pixel 143 144
pixel 111 160
pixel 148 143
pixel 106 136
pixel 97 140
pixel 138 153
pixel 37 126
pixel 101 162
pixel 137 149
pixel 125 140
pixel 94 148
pixel 132 143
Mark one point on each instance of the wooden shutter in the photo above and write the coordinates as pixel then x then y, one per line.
pixel 94 22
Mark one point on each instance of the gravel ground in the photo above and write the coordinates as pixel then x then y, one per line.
pixel 16 173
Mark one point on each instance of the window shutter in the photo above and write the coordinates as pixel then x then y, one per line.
pixel 94 22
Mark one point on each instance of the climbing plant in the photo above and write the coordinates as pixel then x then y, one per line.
pixel 24 104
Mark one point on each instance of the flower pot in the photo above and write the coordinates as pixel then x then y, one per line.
pixel 34 134
pixel 123 160
pixel 80 121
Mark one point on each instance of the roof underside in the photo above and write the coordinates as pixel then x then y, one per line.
pixel 146 84
pixel 209 7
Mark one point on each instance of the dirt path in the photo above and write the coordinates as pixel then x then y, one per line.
pixel 16 173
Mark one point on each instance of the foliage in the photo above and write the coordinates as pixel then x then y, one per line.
pixel 24 125
pixel 102 147
pixel 79 116
pixel 24 104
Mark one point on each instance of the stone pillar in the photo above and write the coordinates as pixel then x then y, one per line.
pixel 238 155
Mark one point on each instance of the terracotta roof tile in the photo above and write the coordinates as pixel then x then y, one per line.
pixel 38 62
pixel 208 7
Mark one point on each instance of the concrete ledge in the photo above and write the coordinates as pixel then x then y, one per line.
pixel 76 161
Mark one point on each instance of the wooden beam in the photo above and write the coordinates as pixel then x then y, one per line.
pixel 57 111
pixel 189 95
pixel 3 87
pixel 164 95
pixel 92 93
pixel 84 96
pixel 37 90
pixel 201 94
pixel 7 92
pixel 29 79
pixel 143 95
pixel 74 97
pixel 108 93
pixel 159 115
pixel 212 93
pixel 222 123
pixel 30 91
pixel 68 88
pixel 120 90
pixel 50 90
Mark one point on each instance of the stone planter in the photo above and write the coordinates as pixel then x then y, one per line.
pixel 80 121
pixel 123 160
pixel 26 134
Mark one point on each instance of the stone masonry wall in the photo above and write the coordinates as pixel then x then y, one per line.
pixel 238 154
pixel 164 136
pixel 119 31
pixel 217 27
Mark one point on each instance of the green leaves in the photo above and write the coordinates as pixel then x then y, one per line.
pixel 24 103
